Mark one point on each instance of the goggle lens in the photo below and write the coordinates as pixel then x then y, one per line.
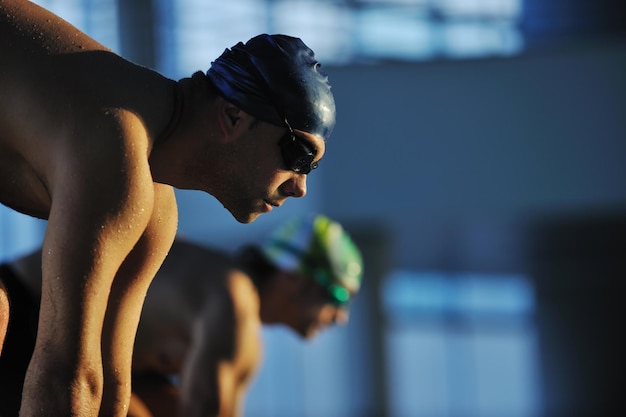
pixel 337 294
pixel 297 153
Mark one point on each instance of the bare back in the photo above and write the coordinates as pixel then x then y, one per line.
pixel 57 86
pixel 201 321
pixel 192 280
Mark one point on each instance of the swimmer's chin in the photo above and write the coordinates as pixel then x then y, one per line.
pixel 247 220
pixel 244 218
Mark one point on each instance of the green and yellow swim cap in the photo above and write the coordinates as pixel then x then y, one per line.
pixel 320 247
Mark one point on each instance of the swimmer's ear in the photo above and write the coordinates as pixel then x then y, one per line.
pixel 230 119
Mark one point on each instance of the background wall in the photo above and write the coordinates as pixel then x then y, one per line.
pixel 455 156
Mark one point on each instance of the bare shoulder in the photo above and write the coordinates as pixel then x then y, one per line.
pixel 244 294
pixel 191 279
pixel 87 101
pixel 247 325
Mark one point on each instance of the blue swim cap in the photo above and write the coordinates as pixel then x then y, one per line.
pixel 276 77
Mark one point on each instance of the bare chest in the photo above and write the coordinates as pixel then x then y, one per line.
pixel 21 188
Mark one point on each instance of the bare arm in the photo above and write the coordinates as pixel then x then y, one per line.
pixel 102 202
pixel 224 354
pixel 127 297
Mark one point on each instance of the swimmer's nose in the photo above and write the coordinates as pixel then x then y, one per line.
pixel 296 186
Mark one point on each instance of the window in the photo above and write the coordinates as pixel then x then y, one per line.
pixel 342 32
pixel 460 345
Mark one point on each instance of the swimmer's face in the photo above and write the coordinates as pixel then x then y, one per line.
pixel 315 308
pixel 267 171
